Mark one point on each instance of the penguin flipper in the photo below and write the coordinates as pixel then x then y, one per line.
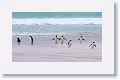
pixel 65 38
pixel 59 38
pixel 90 45
pixel 53 39
pixel 83 39
pixel 95 45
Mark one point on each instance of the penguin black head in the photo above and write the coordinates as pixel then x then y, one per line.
pixel 93 42
pixel 70 40
pixel 62 36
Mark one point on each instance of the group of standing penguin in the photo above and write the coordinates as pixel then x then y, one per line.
pixel 69 43
pixel 62 40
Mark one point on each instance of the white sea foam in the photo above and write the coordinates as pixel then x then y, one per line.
pixel 49 21
pixel 28 33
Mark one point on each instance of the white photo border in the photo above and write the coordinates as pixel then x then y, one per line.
pixel 104 67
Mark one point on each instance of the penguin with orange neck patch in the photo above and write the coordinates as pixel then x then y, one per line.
pixel 31 38
pixel 93 45
pixel 69 43
pixel 62 39
pixel 56 39
pixel 18 40
pixel 81 39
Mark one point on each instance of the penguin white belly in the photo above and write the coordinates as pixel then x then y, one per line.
pixel 69 45
pixel 56 41
pixel 62 41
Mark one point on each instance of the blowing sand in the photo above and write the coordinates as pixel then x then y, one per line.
pixel 44 49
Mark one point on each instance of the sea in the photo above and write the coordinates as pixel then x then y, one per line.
pixel 56 23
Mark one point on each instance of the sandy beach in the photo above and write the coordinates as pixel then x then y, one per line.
pixel 45 49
